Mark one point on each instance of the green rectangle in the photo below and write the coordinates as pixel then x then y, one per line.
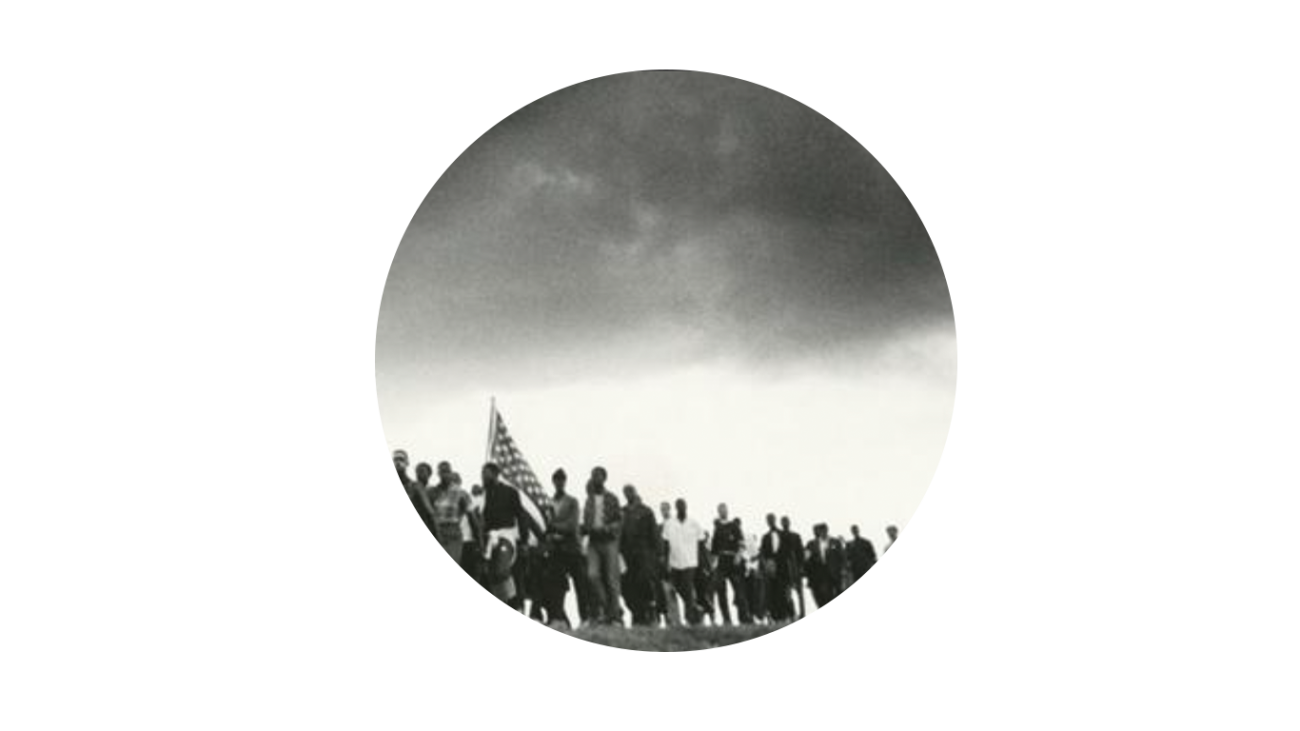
pixel 849 619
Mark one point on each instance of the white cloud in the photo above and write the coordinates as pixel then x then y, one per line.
pixel 530 177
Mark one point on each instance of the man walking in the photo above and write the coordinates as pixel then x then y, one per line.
pixel 529 573
pixel 567 559
pixel 862 555
pixel 471 535
pixel 755 581
pixel 667 594
pixel 450 506
pixel 602 522
pixel 639 543
pixel 704 579
pixel 475 562
pixel 425 544
pixel 505 523
pixel 684 536
pixel 825 562
pixel 423 511
pixel 792 544
pixel 772 557
pixel 728 537
pixel 404 487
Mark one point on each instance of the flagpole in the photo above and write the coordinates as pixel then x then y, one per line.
pixel 492 430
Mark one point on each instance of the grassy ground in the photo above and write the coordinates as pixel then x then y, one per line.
pixel 670 639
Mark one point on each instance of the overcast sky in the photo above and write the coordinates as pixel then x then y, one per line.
pixel 698 282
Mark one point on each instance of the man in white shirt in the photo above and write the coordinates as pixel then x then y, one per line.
pixel 755 581
pixel 667 595
pixel 684 536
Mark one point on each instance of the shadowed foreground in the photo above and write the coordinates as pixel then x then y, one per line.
pixel 670 639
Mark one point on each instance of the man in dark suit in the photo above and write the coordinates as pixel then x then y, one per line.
pixel 772 555
pixel 793 559
pixel 837 563
pixel 824 565
pixel 704 572
pixel 728 540
pixel 861 554
pixel 639 544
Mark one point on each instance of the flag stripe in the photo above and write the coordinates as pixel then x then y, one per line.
pixel 516 472
pixel 1132 346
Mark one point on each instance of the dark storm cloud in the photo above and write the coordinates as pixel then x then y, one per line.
pixel 664 216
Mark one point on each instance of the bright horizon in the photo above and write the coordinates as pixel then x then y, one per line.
pixel 710 434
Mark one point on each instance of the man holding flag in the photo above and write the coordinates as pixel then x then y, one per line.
pixel 512 509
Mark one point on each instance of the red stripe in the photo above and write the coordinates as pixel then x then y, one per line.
pixel 1045 347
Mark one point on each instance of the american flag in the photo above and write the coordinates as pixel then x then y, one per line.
pixel 515 470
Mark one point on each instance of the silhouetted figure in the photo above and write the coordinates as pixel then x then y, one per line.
pixel 824 565
pixel 772 557
pixel 17 583
pixel 528 573
pixel 728 540
pixel 892 532
pixel 793 558
pixel 706 576
pixel 755 581
pixel 506 524
pixel 37 305
pixel 639 543
pixel 418 491
pixel 862 555
pixel 472 558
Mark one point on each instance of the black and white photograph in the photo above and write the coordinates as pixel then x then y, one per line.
pixel 710 345
pixel 649 360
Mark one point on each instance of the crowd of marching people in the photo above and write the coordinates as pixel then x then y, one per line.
pixel 667 570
